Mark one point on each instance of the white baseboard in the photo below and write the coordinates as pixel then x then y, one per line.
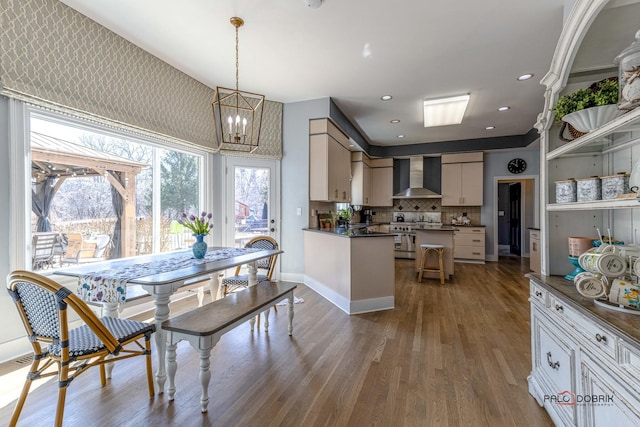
pixel 350 307
pixel 292 277
pixel 338 300
pixel 372 304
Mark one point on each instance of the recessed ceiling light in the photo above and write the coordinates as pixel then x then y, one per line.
pixel 490 127
pixel 395 121
pixel 400 136
pixel 503 108
pixel 386 97
pixel 445 111
pixel 525 77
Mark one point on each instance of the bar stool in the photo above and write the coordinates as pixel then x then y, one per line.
pixel 425 248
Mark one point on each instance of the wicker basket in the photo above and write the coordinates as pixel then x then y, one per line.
pixel 575 134
pixel 579 245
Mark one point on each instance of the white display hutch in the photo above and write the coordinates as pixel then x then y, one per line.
pixel 578 348
pixel 610 149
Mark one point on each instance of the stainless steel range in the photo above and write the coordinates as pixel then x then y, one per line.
pixel 405 240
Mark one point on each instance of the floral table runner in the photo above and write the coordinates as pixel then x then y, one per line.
pixel 110 286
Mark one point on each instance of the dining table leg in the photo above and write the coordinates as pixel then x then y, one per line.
pixel 161 299
pixel 252 280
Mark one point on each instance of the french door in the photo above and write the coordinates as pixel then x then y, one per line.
pixel 252 199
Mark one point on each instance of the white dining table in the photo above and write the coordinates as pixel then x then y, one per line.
pixel 162 284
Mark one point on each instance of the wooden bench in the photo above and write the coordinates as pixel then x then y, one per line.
pixel 204 326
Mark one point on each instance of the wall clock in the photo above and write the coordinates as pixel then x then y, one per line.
pixel 517 165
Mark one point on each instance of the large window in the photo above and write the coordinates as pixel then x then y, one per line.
pixel 99 194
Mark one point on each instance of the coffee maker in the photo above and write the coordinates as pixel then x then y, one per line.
pixel 366 215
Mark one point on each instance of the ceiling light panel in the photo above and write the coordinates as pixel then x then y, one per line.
pixel 445 111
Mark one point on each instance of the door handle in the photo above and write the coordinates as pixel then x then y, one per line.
pixel 554 365
pixel 272 229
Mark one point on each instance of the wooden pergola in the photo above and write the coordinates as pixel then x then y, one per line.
pixel 56 158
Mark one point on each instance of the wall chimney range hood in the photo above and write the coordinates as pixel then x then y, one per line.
pixel 416 190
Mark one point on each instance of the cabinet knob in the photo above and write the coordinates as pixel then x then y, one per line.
pixel 601 338
pixel 559 307
pixel 538 293
pixel 554 365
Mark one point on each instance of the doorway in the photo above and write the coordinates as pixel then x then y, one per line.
pixel 252 200
pixel 516 211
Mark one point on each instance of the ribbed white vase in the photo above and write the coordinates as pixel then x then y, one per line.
pixel 592 118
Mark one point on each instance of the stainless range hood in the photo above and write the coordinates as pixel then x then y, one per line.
pixel 416 190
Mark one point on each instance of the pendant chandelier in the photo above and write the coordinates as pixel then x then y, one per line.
pixel 237 114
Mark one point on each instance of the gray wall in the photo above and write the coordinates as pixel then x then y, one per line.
pixel 495 165
pixel 295 181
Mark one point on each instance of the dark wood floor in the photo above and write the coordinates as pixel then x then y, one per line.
pixel 452 355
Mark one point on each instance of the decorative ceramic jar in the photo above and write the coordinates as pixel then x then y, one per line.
pixel 199 248
pixel 629 75
pixel 614 185
pixel 566 191
pixel 589 189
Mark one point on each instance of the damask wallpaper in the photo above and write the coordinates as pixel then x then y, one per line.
pixel 53 56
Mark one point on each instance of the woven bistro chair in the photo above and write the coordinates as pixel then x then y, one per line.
pixel 42 305
pixel 237 281
pixel 232 283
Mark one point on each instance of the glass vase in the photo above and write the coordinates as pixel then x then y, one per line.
pixel 200 246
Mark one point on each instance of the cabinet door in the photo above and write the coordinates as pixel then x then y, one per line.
pixel 451 184
pixel 360 183
pixel 554 365
pixel 335 151
pixel 472 184
pixel 344 174
pixel 319 186
pixel 534 251
pixel 610 404
pixel 381 186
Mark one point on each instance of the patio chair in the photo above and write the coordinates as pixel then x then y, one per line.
pixel 80 251
pixel 42 305
pixel 42 250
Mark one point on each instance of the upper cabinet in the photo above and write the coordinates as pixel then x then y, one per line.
pixel 462 179
pixel 361 179
pixel 329 162
pixel 594 33
pixel 372 181
pixel 381 182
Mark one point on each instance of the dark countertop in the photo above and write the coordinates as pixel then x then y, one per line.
pixel 626 325
pixel 468 226
pixel 533 228
pixel 341 232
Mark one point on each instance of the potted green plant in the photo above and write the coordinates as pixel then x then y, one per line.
pixel 587 109
pixel 345 214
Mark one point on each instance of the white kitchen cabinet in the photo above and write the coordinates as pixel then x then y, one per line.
pixel 584 361
pixel 372 181
pixel 361 179
pixel 381 182
pixel 469 244
pixel 329 163
pixel 534 250
pixel 462 179
pixel 616 405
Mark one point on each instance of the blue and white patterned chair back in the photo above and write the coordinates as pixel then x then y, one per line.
pixel 41 309
pixel 267 243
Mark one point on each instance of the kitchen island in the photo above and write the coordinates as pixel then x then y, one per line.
pixel 442 235
pixel 353 269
